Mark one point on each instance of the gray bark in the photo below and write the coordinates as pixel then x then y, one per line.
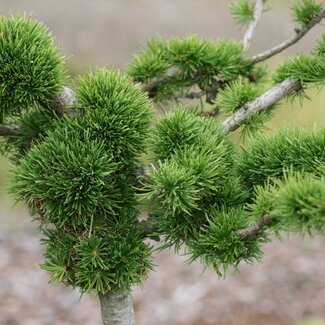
pixel 253 24
pixel 261 103
pixel 300 33
pixel 116 309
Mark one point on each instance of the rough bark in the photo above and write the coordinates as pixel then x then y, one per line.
pixel 7 130
pixel 257 227
pixel 253 24
pixel 299 33
pixel 261 103
pixel 116 309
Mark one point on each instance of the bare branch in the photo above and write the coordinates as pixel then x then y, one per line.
pixel 9 130
pixel 300 33
pixel 256 228
pixel 65 102
pixel 253 24
pixel 261 103
pixel 151 86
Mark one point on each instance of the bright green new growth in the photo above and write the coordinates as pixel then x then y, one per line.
pixel 296 203
pixel 305 11
pixel 198 62
pixel 269 157
pixel 116 111
pixel 31 68
pixel 243 11
pixel 235 95
pixel 220 246
pixel 309 70
pixel 320 47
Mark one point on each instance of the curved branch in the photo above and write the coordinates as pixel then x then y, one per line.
pixel 256 228
pixel 63 104
pixel 300 33
pixel 261 103
pixel 253 24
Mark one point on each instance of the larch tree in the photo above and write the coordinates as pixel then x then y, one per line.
pixel 104 176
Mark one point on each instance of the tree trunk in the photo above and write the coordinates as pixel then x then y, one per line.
pixel 116 309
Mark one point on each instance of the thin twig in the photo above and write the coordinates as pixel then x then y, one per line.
pixel 253 24
pixel 91 225
pixel 261 103
pixel 64 104
pixel 294 39
pixel 256 228
pixel 151 86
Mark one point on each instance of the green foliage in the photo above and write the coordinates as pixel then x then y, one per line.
pixel 67 179
pixel 305 11
pixel 150 62
pixel 31 69
pixel 320 47
pixel 300 204
pixel 198 61
pixel 243 11
pixel 235 95
pixel 307 69
pixel 182 128
pixel 269 156
pixel 78 178
pixel 115 111
pixel 296 203
pixel 78 173
pixel 33 126
pixel 110 259
pixel 219 245
pixel 175 188
pixel 196 157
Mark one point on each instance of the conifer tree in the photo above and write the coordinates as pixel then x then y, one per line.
pixel 89 163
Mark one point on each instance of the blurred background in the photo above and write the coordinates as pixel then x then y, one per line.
pixel 287 288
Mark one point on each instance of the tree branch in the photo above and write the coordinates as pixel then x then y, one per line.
pixel 63 104
pixel 256 228
pixel 261 103
pixel 151 86
pixel 300 33
pixel 8 130
pixel 116 309
pixel 253 24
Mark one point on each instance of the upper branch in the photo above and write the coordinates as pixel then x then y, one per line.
pixel 294 39
pixel 253 24
pixel 261 103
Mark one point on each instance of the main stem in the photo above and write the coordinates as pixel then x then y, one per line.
pixel 116 309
